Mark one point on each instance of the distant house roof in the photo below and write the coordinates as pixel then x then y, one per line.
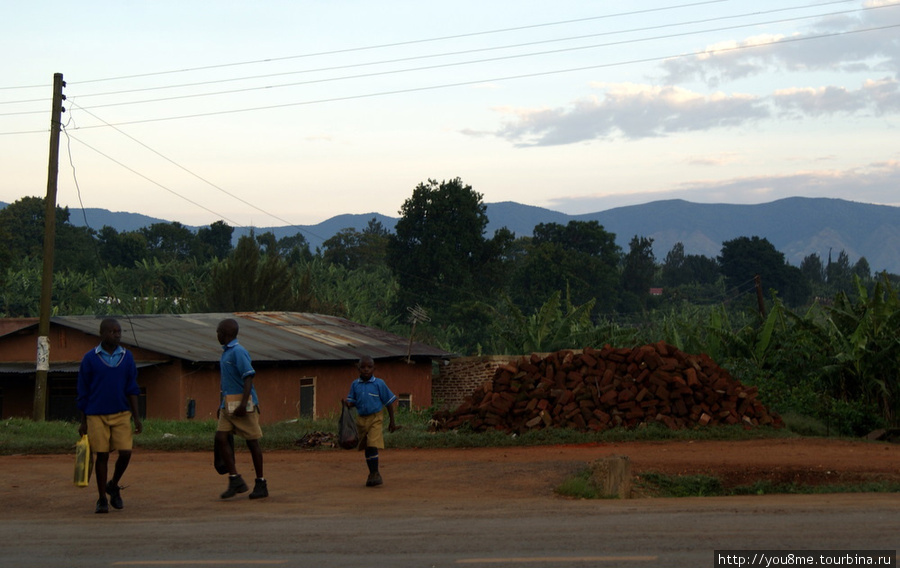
pixel 269 336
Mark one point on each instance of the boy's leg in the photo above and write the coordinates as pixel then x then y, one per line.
pixel 225 451
pixel 260 487
pixel 372 461
pixel 101 471
pixel 257 456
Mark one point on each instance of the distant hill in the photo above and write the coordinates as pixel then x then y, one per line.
pixel 796 226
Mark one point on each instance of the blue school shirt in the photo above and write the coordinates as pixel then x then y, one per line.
pixel 235 367
pixel 370 396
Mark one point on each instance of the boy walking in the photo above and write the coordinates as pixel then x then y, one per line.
pixel 370 395
pixel 239 411
pixel 108 401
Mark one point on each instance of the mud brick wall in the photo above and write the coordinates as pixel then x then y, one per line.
pixel 458 379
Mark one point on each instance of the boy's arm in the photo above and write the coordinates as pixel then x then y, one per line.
pixel 391 425
pixel 135 414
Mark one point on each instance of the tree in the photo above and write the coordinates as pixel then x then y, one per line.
pixel 838 273
pixel 356 249
pixel 216 238
pixel 745 257
pixel 251 281
pixel 170 241
pixel 294 248
pixel 639 267
pixel 22 236
pixel 438 247
pixel 580 258
pixel 674 272
pixel 121 249
pixel 812 268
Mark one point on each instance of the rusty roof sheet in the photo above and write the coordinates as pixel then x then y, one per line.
pixel 268 336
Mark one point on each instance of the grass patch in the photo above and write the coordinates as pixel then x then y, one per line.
pixel 579 486
pixel 24 436
pixel 653 484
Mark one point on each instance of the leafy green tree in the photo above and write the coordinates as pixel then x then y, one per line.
pixel 745 257
pixel 121 249
pixel 552 327
pixel 674 271
pixel 439 248
pixel 216 239
pixel 355 249
pixel 838 273
pixel 862 270
pixel 294 248
pixel 812 268
pixel 581 258
pixel 639 267
pixel 251 281
pixel 170 241
pixel 22 236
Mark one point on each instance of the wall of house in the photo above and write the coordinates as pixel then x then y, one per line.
pixel 461 376
pixel 170 383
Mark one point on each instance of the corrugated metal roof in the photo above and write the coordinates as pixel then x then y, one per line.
pixel 268 336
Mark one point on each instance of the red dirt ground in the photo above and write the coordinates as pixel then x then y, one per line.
pixel 332 481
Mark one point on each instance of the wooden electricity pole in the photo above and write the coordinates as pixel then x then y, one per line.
pixel 43 345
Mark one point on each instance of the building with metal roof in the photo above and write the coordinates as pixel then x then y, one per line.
pixel 304 362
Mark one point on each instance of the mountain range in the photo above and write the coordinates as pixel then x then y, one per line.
pixel 796 226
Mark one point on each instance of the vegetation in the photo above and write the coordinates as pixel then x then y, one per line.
pixel 655 484
pixel 23 436
pixel 821 341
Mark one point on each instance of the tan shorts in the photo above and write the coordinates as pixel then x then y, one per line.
pixel 247 427
pixel 109 432
pixel 371 430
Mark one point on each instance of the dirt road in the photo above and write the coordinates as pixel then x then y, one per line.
pixel 332 481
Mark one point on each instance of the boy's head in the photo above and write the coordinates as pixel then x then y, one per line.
pixel 226 331
pixel 110 334
pixel 366 366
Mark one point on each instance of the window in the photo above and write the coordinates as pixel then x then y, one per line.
pixel 307 402
pixel 404 401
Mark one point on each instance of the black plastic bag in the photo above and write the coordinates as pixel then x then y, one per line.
pixel 218 459
pixel 348 437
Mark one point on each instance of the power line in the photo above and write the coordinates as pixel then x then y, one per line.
pixel 493 79
pixel 192 173
pixel 493 48
pixel 452 64
pixel 411 42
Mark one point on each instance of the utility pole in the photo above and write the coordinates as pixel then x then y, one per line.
pixel 43 344
pixel 761 303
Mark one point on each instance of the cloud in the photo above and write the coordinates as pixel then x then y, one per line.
pixel 839 43
pixel 880 97
pixel 873 183
pixel 631 111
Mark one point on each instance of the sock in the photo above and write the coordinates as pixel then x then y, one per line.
pixel 372 459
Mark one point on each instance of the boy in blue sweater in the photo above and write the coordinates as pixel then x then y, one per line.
pixel 108 401
pixel 370 395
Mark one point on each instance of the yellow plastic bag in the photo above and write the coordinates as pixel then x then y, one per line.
pixel 83 462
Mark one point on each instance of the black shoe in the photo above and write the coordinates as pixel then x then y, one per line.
pixel 260 489
pixel 235 485
pixel 115 495
pixel 374 479
pixel 102 506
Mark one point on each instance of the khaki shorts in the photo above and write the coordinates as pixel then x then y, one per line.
pixel 109 432
pixel 247 427
pixel 371 430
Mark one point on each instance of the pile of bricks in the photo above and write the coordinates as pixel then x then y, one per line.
pixel 604 388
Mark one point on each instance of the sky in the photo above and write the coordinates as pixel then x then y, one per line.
pixel 290 112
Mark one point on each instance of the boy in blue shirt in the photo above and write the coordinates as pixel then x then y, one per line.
pixel 238 411
pixel 108 401
pixel 370 395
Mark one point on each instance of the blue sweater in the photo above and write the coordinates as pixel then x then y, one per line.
pixel 103 389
